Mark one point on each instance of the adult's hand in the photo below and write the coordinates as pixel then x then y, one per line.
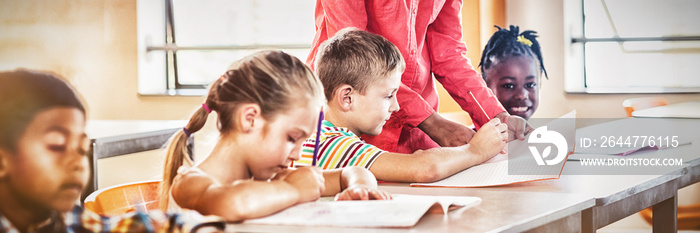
pixel 445 132
pixel 518 127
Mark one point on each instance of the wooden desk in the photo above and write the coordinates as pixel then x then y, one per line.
pixel 687 129
pixel 114 138
pixel 678 110
pixel 537 206
pixel 692 174
pixel 618 196
pixel 499 211
pixel 691 154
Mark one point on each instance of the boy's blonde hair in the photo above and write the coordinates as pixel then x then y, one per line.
pixel 274 80
pixel 356 58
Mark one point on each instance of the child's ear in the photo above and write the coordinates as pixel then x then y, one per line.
pixel 343 97
pixel 4 163
pixel 249 116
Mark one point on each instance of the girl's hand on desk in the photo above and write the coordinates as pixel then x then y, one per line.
pixel 362 193
pixel 308 181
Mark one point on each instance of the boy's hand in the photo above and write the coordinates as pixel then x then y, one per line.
pixel 362 193
pixel 518 127
pixel 490 139
pixel 308 181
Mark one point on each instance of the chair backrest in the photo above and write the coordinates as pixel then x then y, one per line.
pixel 634 104
pixel 124 198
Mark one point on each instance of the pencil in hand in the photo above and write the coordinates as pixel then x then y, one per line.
pixel 478 104
pixel 318 138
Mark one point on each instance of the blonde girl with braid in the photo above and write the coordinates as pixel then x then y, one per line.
pixel 267 105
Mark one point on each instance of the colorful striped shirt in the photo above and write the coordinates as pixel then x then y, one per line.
pixel 339 147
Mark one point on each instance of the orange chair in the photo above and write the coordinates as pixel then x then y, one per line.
pixel 634 104
pixel 124 198
pixel 688 217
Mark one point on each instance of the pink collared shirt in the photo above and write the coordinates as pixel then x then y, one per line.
pixel 429 35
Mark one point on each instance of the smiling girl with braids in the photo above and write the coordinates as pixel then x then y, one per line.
pixel 511 65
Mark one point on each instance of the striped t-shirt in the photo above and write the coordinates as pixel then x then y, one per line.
pixel 339 147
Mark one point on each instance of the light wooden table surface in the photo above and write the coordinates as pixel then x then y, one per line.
pixel 499 211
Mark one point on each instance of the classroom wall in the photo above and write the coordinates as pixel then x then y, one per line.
pixel 547 18
pixel 93 45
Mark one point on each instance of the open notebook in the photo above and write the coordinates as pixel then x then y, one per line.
pixel 402 211
pixel 494 172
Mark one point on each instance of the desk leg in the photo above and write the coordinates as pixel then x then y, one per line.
pixel 587 221
pixel 665 215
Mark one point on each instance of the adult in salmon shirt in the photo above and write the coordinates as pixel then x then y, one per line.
pixel 429 35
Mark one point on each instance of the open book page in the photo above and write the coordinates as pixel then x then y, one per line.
pixel 494 172
pixel 484 175
pixel 445 203
pixel 402 211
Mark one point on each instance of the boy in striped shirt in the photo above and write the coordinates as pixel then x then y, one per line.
pixel 361 73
